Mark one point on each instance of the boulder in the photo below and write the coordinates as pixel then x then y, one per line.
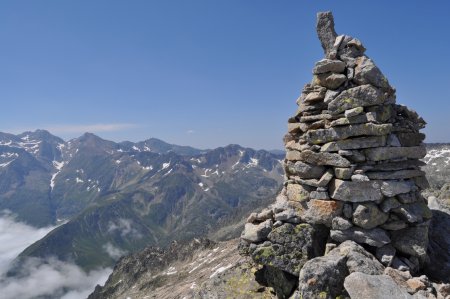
pixel 368 215
pixel 390 153
pixel 257 232
pixel 354 143
pixel 326 33
pixel 412 241
pixel 355 191
pixel 366 72
pixel 360 285
pixel 322 211
pixel 323 158
pixel 305 170
pixel 328 65
pixel 374 237
pixel 438 267
pixel 392 188
pixel 322 136
pixel 360 96
pixel 330 80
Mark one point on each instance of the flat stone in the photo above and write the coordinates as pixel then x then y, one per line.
pixel 315 96
pixel 339 223
pixel 368 215
pixel 374 237
pixel 323 158
pixel 364 95
pixel 257 232
pixel 392 188
pixel 313 118
pixel 354 143
pixel 322 211
pixel 412 241
pixel 330 95
pixel 305 170
pixel 319 195
pixel 368 117
pixel 392 166
pixel 395 175
pixel 330 80
pixel 394 225
pixel 360 285
pixel 359 178
pixel 353 112
pixel 390 153
pixel 328 65
pixel 294 128
pixel 358 259
pixel 355 191
pixel 410 139
pixel 322 136
pixel 411 197
pixel 366 72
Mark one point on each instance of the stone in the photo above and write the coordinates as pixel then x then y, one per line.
pixel 257 232
pixel 400 277
pixel 410 139
pixel 359 178
pixel 438 267
pixel 291 246
pixel 374 237
pixel 366 72
pixel 360 285
pixel 319 195
pixel 343 173
pixel 395 175
pixel 330 80
pixel 326 178
pixel 312 118
pixel 353 112
pixel 392 188
pixel 392 140
pixel 390 153
pixel 323 277
pixel 415 284
pixel 389 204
pixel 414 212
pixel 325 32
pixel 358 259
pixel 354 143
pixel 322 136
pixel 322 211
pixel 355 191
pixel 282 283
pixel 368 117
pixel 350 48
pixel 394 224
pixel 385 254
pixel 412 241
pixel 323 158
pixel 315 96
pixel 305 170
pixel 297 192
pixel 339 223
pixel 330 95
pixel 410 197
pixel 294 128
pixel 368 215
pixel 360 96
pixel 400 165
pixel 347 211
pixel 288 215
pixel 328 65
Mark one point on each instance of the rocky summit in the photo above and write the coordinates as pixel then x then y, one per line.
pixel 350 221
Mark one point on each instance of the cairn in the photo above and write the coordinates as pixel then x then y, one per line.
pixel 352 169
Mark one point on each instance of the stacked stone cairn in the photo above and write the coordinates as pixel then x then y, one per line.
pixel 352 174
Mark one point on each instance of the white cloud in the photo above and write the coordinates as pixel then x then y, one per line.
pixel 113 252
pixel 15 237
pixel 39 277
pixel 124 226
pixel 51 277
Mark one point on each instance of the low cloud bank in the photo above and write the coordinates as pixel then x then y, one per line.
pixel 40 277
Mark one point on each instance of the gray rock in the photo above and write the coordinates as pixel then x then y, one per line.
pixel 312 118
pixel 392 188
pixel 326 178
pixel 395 175
pixel 360 285
pixel 297 192
pixel 393 140
pixel 410 139
pixel 328 65
pixel 349 49
pixel 368 117
pixel 374 237
pixel 325 32
pixel 339 223
pixel 414 212
pixel 323 195
pixel 291 246
pixel 305 170
pixel 394 224
pixel 368 215
pixel 323 158
pixel 412 241
pixel 438 268
pixel 286 215
pixel 323 277
pixel 359 178
pixel 343 173
pixel 282 283
pixel 330 95
pixel 390 153
pixel 322 211
pixel 358 259
pixel 347 210
pixel 364 95
pixel 410 197
pixel 354 143
pixel 355 191
pixel 257 232
pixel 353 112
pixel 385 254
pixel 322 136
pixel 389 204
pixel 366 72
pixel 330 80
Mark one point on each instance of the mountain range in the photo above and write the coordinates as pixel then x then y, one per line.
pixel 116 198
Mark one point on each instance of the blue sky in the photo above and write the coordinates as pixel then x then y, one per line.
pixel 205 73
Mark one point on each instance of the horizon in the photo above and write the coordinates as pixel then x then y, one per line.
pixel 202 74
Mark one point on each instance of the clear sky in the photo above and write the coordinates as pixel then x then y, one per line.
pixel 205 73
